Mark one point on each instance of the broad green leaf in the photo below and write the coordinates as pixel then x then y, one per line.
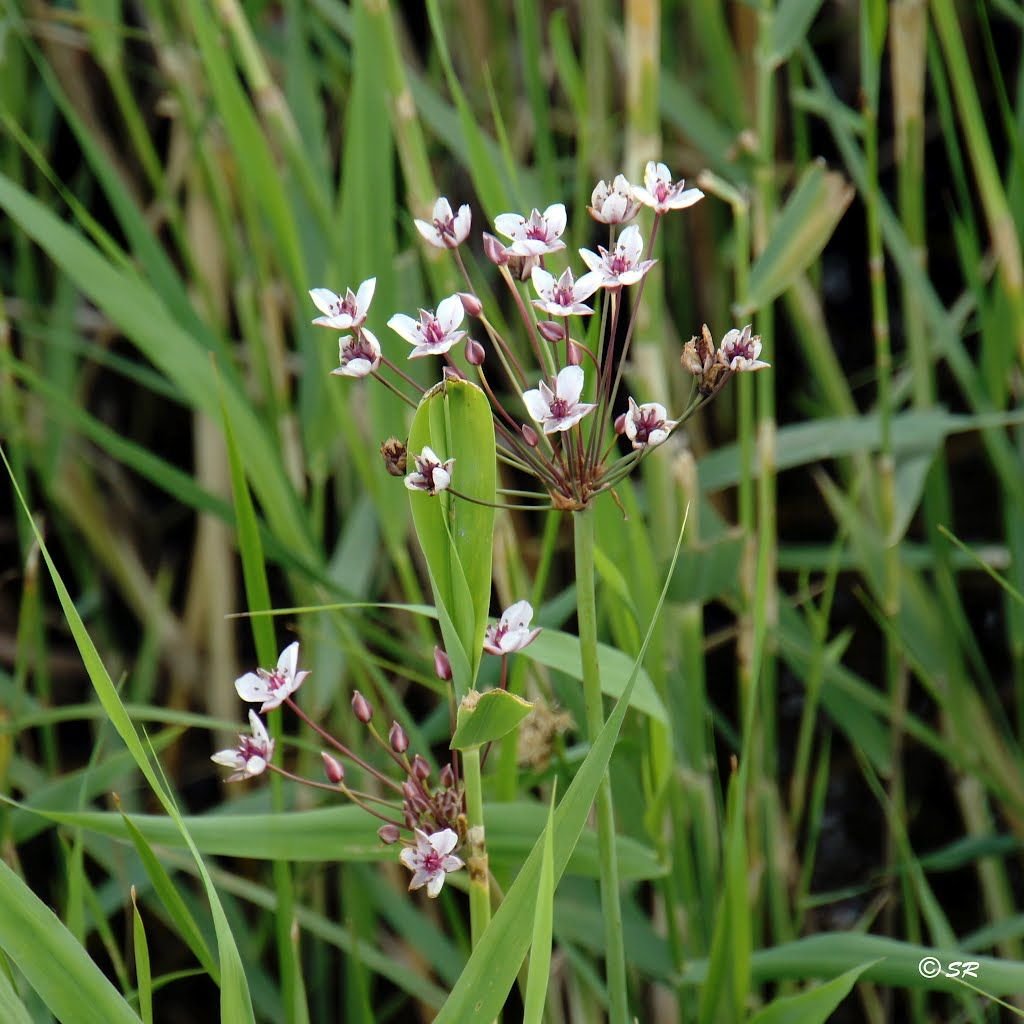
pixel 34 938
pixel 347 833
pixel 143 976
pixel 540 944
pixel 456 535
pixel 813 1006
pixel 485 717
pixel 804 226
pixel 561 651
pixel 790 23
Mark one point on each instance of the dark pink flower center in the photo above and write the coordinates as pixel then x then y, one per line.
pixel 537 232
pixel 359 348
pixel 646 423
pixel 662 191
pixel 559 407
pixel 619 264
pixel 433 862
pixel 433 332
pixel 445 227
pixel 251 747
pixel 743 349
pixel 274 680
pixel 562 296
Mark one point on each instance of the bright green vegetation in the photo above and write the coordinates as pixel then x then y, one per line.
pixel 813 720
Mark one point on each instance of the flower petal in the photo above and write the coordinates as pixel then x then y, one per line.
pixel 252 687
pixel 569 384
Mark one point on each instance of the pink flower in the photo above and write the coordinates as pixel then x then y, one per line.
pixel 252 755
pixel 272 687
pixel 512 633
pixel 739 351
pixel 614 203
pixel 660 192
pixel 446 231
pixel 343 313
pixel 559 409
pixel 431 860
pixel 434 333
pixel 646 425
pixel 536 235
pixel 432 475
pixel 621 266
pixel 564 297
pixel 358 354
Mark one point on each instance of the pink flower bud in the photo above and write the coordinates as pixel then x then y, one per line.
pixel 530 435
pixel 398 739
pixel 471 304
pixel 333 769
pixel 442 665
pixel 388 834
pixel 475 353
pixel 447 777
pixel 551 330
pixel 494 250
pixel 620 423
pixel 452 373
pixel 361 707
pixel 575 354
pixel 420 768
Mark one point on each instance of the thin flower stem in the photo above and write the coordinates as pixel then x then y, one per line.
pixel 341 748
pixel 476 862
pixel 491 504
pixel 394 390
pixel 586 613
pixel 506 355
pixel 529 322
pixel 394 368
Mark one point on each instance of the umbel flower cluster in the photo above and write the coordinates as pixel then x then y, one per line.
pixel 559 420
pixel 432 815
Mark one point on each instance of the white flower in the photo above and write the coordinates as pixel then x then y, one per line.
pixel 660 192
pixel 564 297
pixel 272 687
pixel 431 860
pixel 537 235
pixel 434 333
pixel 358 354
pixel 343 313
pixel 623 265
pixel 252 755
pixel 614 203
pixel 739 351
pixel 560 409
pixel 512 633
pixel 446 231
pixel 432 475
pixel 646 424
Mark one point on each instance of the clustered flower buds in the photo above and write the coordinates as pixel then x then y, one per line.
pixel 566 445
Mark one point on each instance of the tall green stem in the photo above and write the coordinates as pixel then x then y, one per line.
pixel 586 612
pixel 479 873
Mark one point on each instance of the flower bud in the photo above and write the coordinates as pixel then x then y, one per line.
pixel 333 769
pixel 398 739
pixel 394 455
pixel 530 435
pixel 420 768
pixel 447 777
pixel 471 304
pixel 449 372
pixel 575 354
pixel 620 423
pixel 361 707
pixel 388 834
pixel 551 330
pixel 475 353
pixel 442 665
pixel 494 250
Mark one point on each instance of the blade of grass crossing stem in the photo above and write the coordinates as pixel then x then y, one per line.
pixel 543 919
pixel 816 1005
pixel 481 990
pixel 235 1005
pixel 143 976
pixel 34 938
pixel 257 592
pixel 172 900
